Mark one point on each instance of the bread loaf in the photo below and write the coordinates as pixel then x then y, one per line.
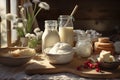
pixel 103 44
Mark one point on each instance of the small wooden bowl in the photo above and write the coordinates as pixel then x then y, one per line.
pixel 13 61
pixel 111 65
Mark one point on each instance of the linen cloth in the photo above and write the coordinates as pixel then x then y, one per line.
pixel 17 73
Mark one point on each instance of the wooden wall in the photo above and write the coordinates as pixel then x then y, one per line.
pixel 101 15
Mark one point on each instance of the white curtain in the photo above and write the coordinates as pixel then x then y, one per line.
pixel 3 26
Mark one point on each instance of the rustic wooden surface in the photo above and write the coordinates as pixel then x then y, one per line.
pixel 42 66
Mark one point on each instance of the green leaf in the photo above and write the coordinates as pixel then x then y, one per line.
pixel 29 24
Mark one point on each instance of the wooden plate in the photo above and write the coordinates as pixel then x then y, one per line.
pixel 42 66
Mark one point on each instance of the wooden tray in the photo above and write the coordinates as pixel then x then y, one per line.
pixel 42 66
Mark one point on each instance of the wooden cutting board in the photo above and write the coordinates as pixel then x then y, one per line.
pixel 42 66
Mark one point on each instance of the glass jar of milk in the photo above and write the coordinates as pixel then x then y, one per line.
pixel 66 29
pixel 50 35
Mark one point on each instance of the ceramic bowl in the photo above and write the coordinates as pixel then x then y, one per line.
pixel 111 65
pixel 14 61
pixel 60 58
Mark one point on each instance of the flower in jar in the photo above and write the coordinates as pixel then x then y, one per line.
pixel 30 16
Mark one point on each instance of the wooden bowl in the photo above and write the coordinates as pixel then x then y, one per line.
pixel 111 65
pixel 13 61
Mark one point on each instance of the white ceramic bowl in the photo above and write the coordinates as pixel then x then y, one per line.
pixel 60 58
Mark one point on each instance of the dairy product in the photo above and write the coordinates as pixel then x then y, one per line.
pixel 66 35
pixel 61 48
pixel 105 56
pixel 60 53
pixel 66 29
pixel 50 35
pixel 49 38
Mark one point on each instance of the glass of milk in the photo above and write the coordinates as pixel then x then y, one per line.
pixel 66 29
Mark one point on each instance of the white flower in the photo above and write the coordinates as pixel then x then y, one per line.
pixel 35 1
pixel 27 4
pixel 39 34
pixel 36 30
pixel 28 35
pixel 25 20
pixel 32 36
pixel 22 10
pixel 44 5
pixel 11 17
pixel 20 25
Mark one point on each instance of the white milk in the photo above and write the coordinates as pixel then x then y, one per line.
pixel 66 35
pixel 49 38
pixel 66 29
pixel 50 35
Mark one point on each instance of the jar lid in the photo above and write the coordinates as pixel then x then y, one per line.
pixel 65 17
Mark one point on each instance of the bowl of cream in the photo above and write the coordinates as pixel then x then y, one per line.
pixel 60 53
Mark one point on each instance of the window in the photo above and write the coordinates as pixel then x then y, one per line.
pixel 3 26
pixel 7 34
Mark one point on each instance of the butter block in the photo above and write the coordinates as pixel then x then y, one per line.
pixel 105 54
pixel 112 58
pixel 100 59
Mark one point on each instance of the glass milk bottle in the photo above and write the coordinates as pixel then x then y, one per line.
pixel 66 29
pixel 50 35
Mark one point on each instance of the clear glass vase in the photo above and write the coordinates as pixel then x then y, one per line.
pixel 23 41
